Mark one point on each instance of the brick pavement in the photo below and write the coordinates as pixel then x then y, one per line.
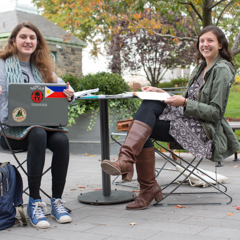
pixel 113 222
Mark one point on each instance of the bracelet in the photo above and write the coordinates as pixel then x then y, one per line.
pixel 184 102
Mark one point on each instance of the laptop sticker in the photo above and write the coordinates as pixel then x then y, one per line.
pixel 37 96
pixel 19 114
pixel 54 92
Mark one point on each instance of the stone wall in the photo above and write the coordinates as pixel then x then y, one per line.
pixel 3 44
pixel 68 59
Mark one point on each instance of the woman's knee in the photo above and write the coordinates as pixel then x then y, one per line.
pixel 38 135
pixel 58 140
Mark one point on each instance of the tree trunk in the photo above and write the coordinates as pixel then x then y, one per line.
pixel 115 49
pixel 207 13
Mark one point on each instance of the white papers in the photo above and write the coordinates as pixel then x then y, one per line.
pixel 152 95
pixel 85 92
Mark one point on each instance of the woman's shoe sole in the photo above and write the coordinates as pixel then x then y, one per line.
pixel 110 169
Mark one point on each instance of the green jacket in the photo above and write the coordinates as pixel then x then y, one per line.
pixel 210 105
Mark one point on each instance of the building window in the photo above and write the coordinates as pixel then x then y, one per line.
pixel 54 56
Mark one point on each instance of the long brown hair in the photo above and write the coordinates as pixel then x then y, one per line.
pixel 41 57
pixel 224 52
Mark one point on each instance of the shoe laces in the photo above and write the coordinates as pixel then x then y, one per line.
pixel 59 205
pixel 39 209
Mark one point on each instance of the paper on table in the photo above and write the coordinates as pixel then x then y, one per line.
pixel 152 95
pixel 85 92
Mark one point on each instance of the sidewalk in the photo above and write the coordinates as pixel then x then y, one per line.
pixel 113 222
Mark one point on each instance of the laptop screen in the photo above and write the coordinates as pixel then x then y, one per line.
pixel 37 104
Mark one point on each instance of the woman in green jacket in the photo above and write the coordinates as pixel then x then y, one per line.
pixel 190 119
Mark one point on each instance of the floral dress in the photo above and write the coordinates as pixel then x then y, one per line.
pixel 188 131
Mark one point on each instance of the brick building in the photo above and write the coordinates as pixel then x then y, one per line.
pixel 66 50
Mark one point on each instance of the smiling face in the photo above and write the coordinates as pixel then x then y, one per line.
pixel 26 43
pixel 209 46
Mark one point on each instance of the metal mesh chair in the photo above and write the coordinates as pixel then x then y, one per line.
pixel 189 168
pixel 20 164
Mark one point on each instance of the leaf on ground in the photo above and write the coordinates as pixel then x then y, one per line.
pixel 238 208
pixel 92 155
pixel 180 206
pixel 230 214
pixel 235 166
pixel 86 154
pixel 97 189
pixel 136 191
pixel 72 189
pixel 81 187
pixel 133 223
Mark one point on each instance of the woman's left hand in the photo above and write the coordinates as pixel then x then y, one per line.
pixel 176 101
pixel 68 92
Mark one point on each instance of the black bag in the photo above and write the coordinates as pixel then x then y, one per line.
pixel 11 188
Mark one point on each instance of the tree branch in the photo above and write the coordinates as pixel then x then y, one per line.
pixel 173 37
pixel 222 12
pixel 234 48
pixel 236 51
pixel 193 7
pixel 193 16
pixel 214 5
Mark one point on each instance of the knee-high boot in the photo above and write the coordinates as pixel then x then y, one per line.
pixel 149 188
pixel 137 135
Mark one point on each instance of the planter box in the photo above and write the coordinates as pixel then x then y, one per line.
pixel 83 141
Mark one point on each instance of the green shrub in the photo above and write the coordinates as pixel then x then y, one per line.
pixel 177 82
pixel 73 80
pixel 108 84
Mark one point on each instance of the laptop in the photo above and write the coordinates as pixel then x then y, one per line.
pixel 37 104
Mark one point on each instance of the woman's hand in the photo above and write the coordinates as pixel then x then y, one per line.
pixel 176 101
pixel 152 89
pixel 68 92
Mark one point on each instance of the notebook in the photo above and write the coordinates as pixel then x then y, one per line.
pixel 37 104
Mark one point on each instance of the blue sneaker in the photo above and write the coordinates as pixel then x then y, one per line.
pixel 36 211
pixel 59 212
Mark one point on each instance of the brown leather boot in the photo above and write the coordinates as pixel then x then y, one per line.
pixel 149 188
pixel 137 135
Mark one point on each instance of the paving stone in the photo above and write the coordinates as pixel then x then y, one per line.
pixel 133 232
pixel 112 222
pixel 181 236
pixel 220 232
pixel 171 227
pixel 69 234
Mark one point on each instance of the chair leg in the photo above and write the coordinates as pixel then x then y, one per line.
pixel 173 162
pixel 236 157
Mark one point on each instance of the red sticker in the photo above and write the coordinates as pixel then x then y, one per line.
pixel 37 96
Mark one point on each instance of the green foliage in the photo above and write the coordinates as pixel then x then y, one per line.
pixel 233 106
pixel 73 80
pixel 108 84
pixel 177 82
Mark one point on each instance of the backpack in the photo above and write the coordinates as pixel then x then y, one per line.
pixel 11 188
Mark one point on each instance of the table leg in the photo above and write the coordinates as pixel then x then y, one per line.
pixel 106 195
